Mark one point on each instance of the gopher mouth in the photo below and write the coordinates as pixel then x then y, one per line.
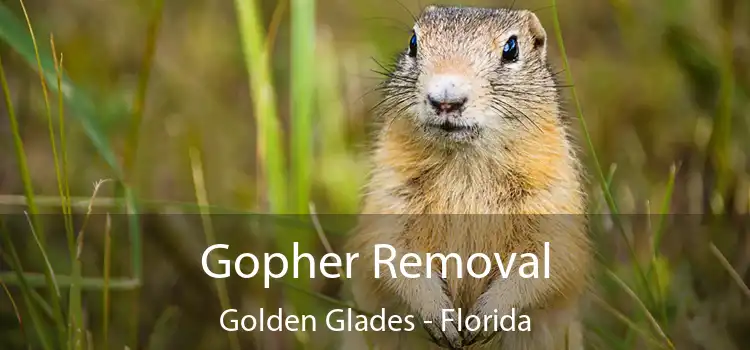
pixel 452 127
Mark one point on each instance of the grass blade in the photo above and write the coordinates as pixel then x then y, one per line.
pixel 302 94
pixel 665 209
pixel 273 27
pixel 13 32
pixel 624 319
pixel 271 157
pixel 139 102
pixel 721 133
pixel 15 263
pixel 136 254
pixel 131 203
pixel 732 272
pixel 41 302
pixel 592 150
pixel 329 249
pixel 202 198
pixel 65 188
pixel 49 276
pixel 106 277
pixel 23 168
pixel 16 311
pixel 642 306
pixel 49 116
pixel 36 280
pixel 656 241
pixel 77 332
pixel 579 113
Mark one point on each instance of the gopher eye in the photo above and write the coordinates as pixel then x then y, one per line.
pixel 510 50
pixel 413 46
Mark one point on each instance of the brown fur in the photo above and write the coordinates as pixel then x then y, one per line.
pixel 504 188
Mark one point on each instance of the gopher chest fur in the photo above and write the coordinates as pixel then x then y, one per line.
pixel 465 206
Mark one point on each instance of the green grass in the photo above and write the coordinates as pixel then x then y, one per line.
pixel 202 200
pixel 41 330
pixel 295 164
pixel 270 151
pixel 302 94
pixel 23 168
pixel 605 183
pixel 71 332
pixel 17 36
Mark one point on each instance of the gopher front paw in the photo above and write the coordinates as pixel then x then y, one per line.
pixel 444 334
pixel 482 307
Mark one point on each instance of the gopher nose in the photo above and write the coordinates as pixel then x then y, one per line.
pixel 447 93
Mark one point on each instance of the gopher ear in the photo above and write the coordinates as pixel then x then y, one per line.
pixel 538 34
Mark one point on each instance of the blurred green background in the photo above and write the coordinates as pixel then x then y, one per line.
pixel 174 102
